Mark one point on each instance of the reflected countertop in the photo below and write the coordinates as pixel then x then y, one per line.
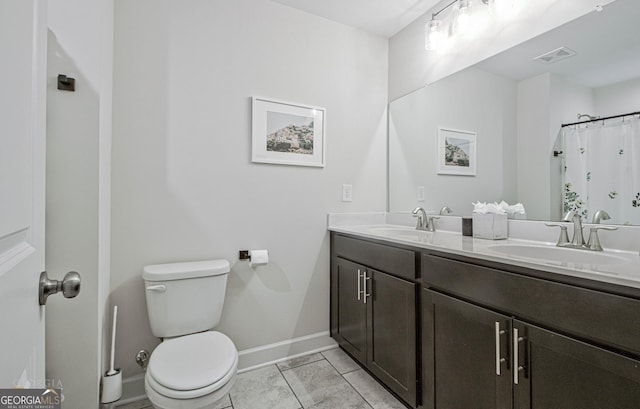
pixel 610 266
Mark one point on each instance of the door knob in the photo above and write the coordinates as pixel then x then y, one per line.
pixel 70 286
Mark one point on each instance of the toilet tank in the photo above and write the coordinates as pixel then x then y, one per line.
pixel 184 298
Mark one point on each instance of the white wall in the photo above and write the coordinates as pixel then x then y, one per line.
pixel 617 99
pixel 471 100
pixel 184 187
pixel 545 102
pixel 514 168
pixel 533 120
pixel 411 67
pixel 78 168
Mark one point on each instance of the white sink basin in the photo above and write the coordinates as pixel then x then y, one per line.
pixel 558 254
pixel 403 234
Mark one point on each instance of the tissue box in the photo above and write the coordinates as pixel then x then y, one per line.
pixel 489 226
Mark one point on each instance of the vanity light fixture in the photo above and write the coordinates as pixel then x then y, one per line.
pixel 433 35
pixel 433 31
pixel 466 18
pixel 462 17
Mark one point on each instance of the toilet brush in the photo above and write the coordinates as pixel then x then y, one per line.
pixel 112 379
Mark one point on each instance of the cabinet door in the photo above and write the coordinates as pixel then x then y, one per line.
pixel 392 333
pixel 351 315
pixel 466 362
pixel 563 373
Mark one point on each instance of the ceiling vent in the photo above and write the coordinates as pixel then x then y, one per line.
pixel 555 55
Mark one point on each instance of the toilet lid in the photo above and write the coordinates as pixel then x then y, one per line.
pixel 192 361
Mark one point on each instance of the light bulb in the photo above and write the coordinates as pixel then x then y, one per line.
pixel 463 18
pixel 433 36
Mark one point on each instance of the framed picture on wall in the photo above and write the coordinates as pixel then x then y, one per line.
pixel 287 133
pixel 456 152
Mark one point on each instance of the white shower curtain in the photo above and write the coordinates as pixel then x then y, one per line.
pixel 602 170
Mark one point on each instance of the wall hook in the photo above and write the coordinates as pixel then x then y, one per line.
pixel 66 83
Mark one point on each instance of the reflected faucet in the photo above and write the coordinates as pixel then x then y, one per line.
pixel 445 210
pixel 599 216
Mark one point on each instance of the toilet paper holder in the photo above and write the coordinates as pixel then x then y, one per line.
pixel 261 257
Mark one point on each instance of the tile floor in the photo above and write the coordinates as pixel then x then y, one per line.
pixel 327 380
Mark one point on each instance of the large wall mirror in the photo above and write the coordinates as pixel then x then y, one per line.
pixel 515 107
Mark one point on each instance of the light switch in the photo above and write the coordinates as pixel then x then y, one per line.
pixel 347 193
pixel 420 193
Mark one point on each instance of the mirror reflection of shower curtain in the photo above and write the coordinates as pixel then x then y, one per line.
pixel 602 170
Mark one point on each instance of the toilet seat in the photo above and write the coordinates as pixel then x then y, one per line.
pixel 193 365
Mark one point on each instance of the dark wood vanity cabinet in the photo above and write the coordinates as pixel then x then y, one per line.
pixel 350 326
pixel 565 373
pixel 444 331
pixel 373 310
pixel 493 339
pixel 458 355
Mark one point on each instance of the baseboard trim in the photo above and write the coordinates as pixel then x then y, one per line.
pixel 270 354
pixel 253 358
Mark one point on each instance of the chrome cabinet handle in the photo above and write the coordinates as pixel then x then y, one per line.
pixel 359 291
pixel 499 360
pixel 366 294
pixel 516 359
pixel 70 286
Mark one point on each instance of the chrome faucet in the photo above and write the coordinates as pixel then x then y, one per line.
pixel 422 216
pixel 445 210
pixel 424 221
pixel 594 241
pixel 578 238
pixel 563 239
pixel 599 216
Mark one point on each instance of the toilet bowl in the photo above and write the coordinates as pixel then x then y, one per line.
pixel 192 371
pixel 193 367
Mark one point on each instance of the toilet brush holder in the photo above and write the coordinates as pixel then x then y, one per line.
pixel 112 386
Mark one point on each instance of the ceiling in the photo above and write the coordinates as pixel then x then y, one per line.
pixel 382 17
pixel 607 43
pixel 607 46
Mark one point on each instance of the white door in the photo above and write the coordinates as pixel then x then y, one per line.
pixel 22 195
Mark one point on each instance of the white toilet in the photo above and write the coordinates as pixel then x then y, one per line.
pixel 193 367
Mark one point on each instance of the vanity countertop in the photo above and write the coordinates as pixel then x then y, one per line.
pixel 610 266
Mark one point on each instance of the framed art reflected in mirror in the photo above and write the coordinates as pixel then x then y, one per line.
pixel 456 152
